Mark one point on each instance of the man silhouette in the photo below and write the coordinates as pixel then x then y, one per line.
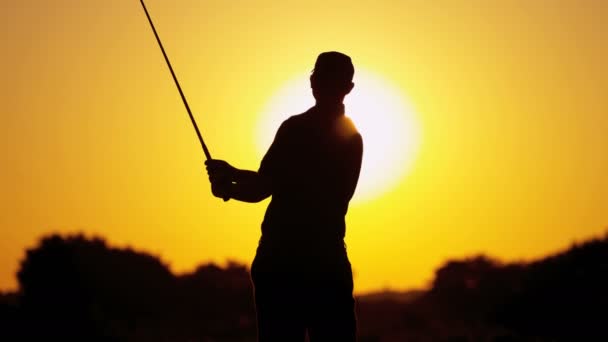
pixel 301 273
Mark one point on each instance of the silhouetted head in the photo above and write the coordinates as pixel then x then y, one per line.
pixel 332 78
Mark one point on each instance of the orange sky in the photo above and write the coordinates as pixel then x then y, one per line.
pixel 510 97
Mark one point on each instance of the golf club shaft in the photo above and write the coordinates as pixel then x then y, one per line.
pixel 181 93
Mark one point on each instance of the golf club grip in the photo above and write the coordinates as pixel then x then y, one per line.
pixel 179 88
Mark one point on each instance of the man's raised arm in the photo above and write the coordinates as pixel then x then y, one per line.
pixel 230 182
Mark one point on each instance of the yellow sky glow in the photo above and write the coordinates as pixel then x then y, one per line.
pixel 509 96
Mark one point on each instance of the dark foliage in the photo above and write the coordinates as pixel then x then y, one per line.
pixel 74 288
pixel 10 316
pixel 217 302
pixel 559 298
pixel 563 297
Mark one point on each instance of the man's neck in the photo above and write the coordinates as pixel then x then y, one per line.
pixel 330 109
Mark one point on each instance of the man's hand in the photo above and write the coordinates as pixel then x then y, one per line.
pixel 221 190
pixel 242 185
pixel 221 175
pixel 220 170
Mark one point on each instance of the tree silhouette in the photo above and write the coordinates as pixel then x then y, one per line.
pixel 218 302
pixel 563 296
pixel 558 298
pixel 77 288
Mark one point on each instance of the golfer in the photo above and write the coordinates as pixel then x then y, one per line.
pixel 301 273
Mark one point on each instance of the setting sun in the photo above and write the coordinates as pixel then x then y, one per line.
pixel 387 122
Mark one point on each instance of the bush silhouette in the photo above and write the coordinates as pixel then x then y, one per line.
pixel 78 288
pixel 558 298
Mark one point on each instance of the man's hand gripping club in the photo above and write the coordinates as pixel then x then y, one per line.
pixel 221 175
pixel 242 185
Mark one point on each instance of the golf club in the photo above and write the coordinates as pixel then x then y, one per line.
pixel 181 93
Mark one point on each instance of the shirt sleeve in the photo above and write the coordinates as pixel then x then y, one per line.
pixel 270 167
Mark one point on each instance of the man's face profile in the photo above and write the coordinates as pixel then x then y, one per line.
pixel 331 79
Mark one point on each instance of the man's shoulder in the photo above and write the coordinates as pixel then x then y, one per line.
pixel 295 121
pixel 304 116
pixel 346 130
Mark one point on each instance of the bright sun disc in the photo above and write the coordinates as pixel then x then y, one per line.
pixel 386 122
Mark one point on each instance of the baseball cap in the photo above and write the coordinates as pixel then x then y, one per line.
pixel 334 65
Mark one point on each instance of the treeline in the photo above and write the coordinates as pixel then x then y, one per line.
pixel 76 288
pixel 563 297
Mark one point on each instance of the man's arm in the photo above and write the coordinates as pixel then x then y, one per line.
pixel 230 182
pixel 245 185
pixel 249 186
pixel 354 157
